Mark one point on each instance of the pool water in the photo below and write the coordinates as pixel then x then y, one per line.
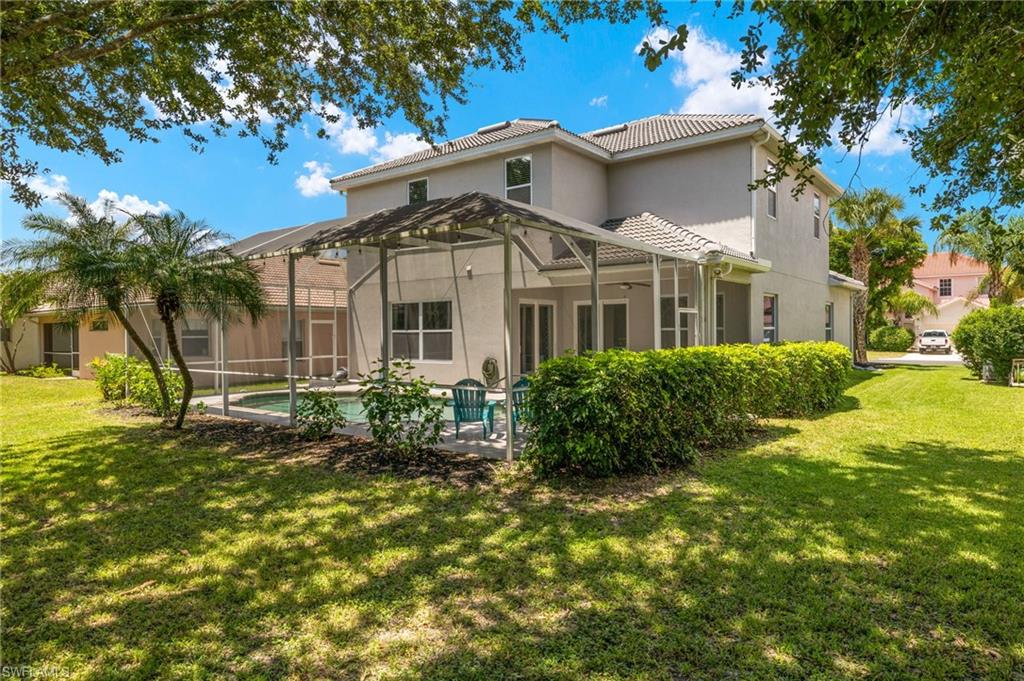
pixel 351 406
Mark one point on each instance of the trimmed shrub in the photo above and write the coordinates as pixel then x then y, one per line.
pixel 620 411
pixel 319 413
pixel 964 335
pixel 992 339
pixel 890 339
pixel 114 372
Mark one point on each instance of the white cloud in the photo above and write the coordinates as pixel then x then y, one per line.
pixel 396 146
pixel 49 186
pixel 317 182
pixel 122 207
pixel 601 101
pixel 704 70
pixel 346 135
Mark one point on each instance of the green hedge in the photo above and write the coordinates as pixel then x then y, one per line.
pixel 991 338
pixel 890 339
pixel 621 411
pixel 112 377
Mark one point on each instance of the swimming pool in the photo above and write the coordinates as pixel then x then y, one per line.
pixel 351 406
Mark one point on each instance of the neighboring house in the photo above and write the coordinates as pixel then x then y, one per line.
pixel 255 354
pixel 676 182
pixel 952 287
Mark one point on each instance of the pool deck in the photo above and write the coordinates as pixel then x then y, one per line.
pixel 471 438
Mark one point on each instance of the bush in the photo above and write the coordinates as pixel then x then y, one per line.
pixel 402 416
pixel 620 411
pixel 963 339
pixel 319 412
pixel 44 371
pixel 992 339
pixel 890 339
pixel 114 372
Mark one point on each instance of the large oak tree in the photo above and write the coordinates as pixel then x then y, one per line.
pixel 74 71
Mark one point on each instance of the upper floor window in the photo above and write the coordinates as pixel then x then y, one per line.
pixel 773 194
pixel 418 191
pixel 817 216
pixel 945 287
pixel 195 338
pixel 519 179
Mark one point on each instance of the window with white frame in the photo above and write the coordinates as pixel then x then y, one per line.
pixel 519 179
pixel 195 338
pixel 300 325
pixel 422 331
pixel 418 191
pixel 945 287
pixel 771 318
pixel 773 194
pixel 668 330
pixel 829 321
pixel 817 216
pixel 719 319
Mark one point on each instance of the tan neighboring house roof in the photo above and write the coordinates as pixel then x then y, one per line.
pixel 942 265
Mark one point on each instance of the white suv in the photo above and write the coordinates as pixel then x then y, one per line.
pixel 935 340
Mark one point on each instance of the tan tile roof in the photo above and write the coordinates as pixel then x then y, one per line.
pixel 320 276
pixel 664 128
pixel 656 231
pixel 623 137
pixel 513 129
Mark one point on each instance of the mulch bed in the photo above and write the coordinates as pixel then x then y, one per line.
pixel 346 453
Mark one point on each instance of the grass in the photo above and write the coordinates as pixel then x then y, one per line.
pixel 883 540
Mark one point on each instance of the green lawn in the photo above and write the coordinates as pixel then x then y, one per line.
pixel 884 540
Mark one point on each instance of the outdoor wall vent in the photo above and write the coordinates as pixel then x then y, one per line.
pixel 493 128
pixel 609 130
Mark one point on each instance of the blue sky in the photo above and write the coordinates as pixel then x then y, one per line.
pixel 593 80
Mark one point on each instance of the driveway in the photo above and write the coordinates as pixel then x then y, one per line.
pixel 931 359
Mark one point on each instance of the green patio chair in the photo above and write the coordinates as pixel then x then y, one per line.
pixel 519 408
pixel 470 405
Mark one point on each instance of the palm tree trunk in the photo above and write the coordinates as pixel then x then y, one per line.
pixel 995 283
pixel 179 359
pixel 860 264
pixel 10 352
pixel 158 372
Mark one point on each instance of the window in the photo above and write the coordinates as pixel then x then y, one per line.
pixel 536 334
pixel 300 346
pixel 829 317
pixel 945 287
pixel 98 325
pixel 614 326
pixel 720 319
pixel 518 179
pixel 773 195
pixel 668 331
pixel 195 338
pixel 60 345
pixel 418 191
pixel 771 319
pixel 817 216
pixel 156 334
pixel 422 331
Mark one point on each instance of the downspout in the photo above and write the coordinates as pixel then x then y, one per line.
pixel 755 144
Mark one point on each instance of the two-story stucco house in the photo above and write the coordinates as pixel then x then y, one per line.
pixel 676 182
pixel 952 286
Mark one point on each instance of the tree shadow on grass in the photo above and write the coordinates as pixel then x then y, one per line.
pixel 129 554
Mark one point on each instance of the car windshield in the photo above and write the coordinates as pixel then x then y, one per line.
pixel 934 334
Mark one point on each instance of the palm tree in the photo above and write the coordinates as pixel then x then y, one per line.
pixel 187 268
pixel 87 262
pixel 910 303
pixel 979 235
pixel 20 292
pixel 869 218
